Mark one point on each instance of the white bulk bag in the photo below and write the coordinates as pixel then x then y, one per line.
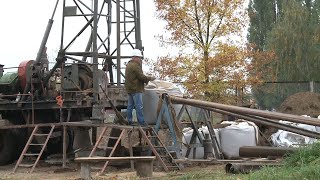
pixel 236 135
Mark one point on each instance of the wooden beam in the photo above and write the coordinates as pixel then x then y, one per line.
pixel 97 159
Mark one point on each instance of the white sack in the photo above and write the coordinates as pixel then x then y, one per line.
pixel 236 135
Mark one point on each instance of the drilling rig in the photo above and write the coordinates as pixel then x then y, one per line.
pixel 97 37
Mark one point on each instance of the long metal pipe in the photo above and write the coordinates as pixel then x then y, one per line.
pixel 265 151
pixel 138 26
pixel 46 35
pixel 271 123
pixel 243 110
pixel 41 49
pixel 118 44
pixel 94 50
pixel 247 167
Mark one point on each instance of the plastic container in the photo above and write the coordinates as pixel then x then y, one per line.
pixel 151 99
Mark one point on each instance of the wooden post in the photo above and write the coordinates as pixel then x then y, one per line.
pixel 85 171
pixel 64 147
pixel 311 83
pixel 130 149
pixel 144 168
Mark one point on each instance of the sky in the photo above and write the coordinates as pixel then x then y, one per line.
pixel 23 24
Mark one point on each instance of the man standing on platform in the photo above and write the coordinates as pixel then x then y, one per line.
pixel 135 81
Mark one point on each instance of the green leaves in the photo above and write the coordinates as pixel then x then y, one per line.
pixel 290 29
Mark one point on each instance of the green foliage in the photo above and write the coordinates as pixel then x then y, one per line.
pixel 293 40
pixel 263 16
pixel 303 164
pixel 304 156
pixel 291 31
pixel 294 173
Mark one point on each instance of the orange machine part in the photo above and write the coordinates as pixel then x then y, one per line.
pixel 22 72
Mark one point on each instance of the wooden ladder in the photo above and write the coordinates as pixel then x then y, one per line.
pixel 113 149
pixel 29 143
pixel 158 148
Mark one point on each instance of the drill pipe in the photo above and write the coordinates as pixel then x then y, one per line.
pixel 271 123
pixel 265 151
pixel 243 110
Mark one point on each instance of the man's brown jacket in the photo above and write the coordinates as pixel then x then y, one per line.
pixel 135 79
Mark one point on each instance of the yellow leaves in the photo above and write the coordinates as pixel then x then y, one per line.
pixel 216 64
pixel 200 21
pixel 211 74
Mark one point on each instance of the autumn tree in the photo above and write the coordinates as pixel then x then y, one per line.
pixel 211 59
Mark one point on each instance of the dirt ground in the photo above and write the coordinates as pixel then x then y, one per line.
pixel 303 103
pixel 72 172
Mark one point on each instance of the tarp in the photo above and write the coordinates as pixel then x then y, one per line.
pixel 289 139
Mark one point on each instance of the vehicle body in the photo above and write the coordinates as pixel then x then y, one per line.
pixel 70 90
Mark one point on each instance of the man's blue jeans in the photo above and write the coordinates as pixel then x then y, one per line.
pixel 135 101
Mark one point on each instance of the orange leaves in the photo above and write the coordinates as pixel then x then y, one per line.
pixel 211 61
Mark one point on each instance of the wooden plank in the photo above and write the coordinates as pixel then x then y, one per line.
pixel 214 161
pixel 96 159
pixel 144 164
pixel 130 149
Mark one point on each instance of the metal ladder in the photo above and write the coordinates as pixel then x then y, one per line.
pixel 28 144
pixel 217 149
pixel 159 149
pixel 103 136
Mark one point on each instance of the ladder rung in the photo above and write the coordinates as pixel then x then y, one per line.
pixel 29 143
pixel 173 166
pixel 112 137
pixel 25 165
pixel 31 154
pixel 105 147
pixel 41 134
pixel 36 144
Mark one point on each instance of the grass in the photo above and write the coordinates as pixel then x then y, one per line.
pixel 303 164
pixel 197 172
